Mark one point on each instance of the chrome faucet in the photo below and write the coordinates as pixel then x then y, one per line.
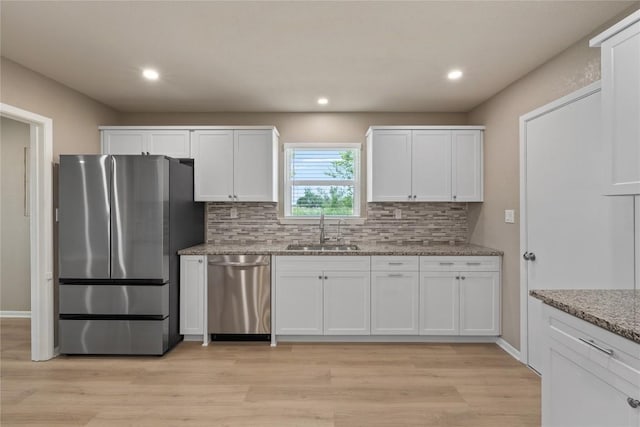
pixel 322 237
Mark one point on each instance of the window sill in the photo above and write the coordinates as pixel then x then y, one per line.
pixel 316 220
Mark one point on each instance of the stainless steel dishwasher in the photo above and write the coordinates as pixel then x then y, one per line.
pixel 239 296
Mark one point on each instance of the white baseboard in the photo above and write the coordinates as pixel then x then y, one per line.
pixel 385 339
pixel 18 314
pixel 508 348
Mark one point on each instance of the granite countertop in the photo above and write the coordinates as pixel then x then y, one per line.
pixel 616 310
pixel 365 249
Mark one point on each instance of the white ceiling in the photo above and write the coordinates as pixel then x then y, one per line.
pixel 281 56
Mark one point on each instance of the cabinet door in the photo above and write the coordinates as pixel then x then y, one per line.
pixel 213 165
pixel 253 175
pixel 578 393
pixel 431 165
pixel 621 110
pixel 467 166
pixel 192 282
pixel 298 303
pixel 439 303
pixel 124 142
pixel 171 143
pixel 389 166
pixel 346 303
pixel 479 303
pixel 394 303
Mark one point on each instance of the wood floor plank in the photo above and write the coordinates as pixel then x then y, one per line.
pixel 252 384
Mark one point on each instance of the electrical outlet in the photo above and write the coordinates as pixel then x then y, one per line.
pixel 397 214
pixel 233 212
pixel 509 216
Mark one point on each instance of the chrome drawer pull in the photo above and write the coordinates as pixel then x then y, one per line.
pixel 606 351
pixel 634 403
pixel 394 275
pixel 473 263
pixel 396 263
pixel 446 263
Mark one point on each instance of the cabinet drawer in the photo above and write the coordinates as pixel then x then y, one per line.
pixel 394 263
pixel 475 263
pixel 323 263
pixel 619 356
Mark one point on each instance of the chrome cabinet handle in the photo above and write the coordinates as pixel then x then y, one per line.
pixel 414 197
pixel 462 277
pixel 409 197
pixel 199 261
pixel 454 197
pixel 320 277
pixel 634 403
pixel 325 277
pixel 457 277
pixel 230 196
pixel 607 351
pixel 473 263
pixel 396 263
pixel 394 275
pixel 446 263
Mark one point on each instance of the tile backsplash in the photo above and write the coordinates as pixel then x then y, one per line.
pixel 421 223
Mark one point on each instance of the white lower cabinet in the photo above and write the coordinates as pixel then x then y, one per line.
pixel 479 303
pixel 439 303
pixel 322 295
pixel 192 286
pixel 299 303
pixel 346 303
pixel 394 303
pixel 583 386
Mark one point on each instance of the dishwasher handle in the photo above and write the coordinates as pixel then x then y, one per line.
pixel 239 264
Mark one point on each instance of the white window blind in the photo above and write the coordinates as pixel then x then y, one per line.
pixel 322 178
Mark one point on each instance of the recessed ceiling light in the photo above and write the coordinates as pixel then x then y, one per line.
pixel 323 101
pixel 150 74
pixel 454 74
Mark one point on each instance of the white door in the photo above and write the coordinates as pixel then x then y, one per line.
pixel 580 238
pixel 172 143
pixel 467 165
pixel 213 165
pixel 395 303
pixel 390 166
pixel 347 303
pixel 439 303
pixel 124 142
pixel 253 177
pixel 479 303
pixel 431 165
pixel 192 283
pixel 299 303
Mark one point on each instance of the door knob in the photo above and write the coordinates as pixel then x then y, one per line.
pixel 529 256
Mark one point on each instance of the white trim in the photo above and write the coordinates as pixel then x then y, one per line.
pixel 41 233
pixel 408 127
pixel 545 109
pixel 15 314
pixel 386 338
pixel 615 29
pixel 500 342
pixel 190 128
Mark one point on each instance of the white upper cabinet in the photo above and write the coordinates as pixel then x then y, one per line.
pixel 389 155
pixel 237 165
pixel 424 164
pixel 467 166
pixel 431 165
pixel 620 52
pixel 172 143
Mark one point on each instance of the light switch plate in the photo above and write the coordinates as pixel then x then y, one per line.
pixel 509 216
pixel 397 214
pixel 233 212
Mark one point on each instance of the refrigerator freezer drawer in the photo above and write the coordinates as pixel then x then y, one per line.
pixel 150 300
pixel 139 337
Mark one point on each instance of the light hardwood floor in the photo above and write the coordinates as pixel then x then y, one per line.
pixel 255 385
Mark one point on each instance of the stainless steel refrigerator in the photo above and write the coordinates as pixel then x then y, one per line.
pixel 122 220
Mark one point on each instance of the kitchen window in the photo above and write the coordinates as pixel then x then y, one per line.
pixel 322 178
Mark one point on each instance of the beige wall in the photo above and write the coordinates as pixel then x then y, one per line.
pixel 15 287
pixel 76 117
pixel 572 69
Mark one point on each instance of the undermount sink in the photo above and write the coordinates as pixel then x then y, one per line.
pixel 328 248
